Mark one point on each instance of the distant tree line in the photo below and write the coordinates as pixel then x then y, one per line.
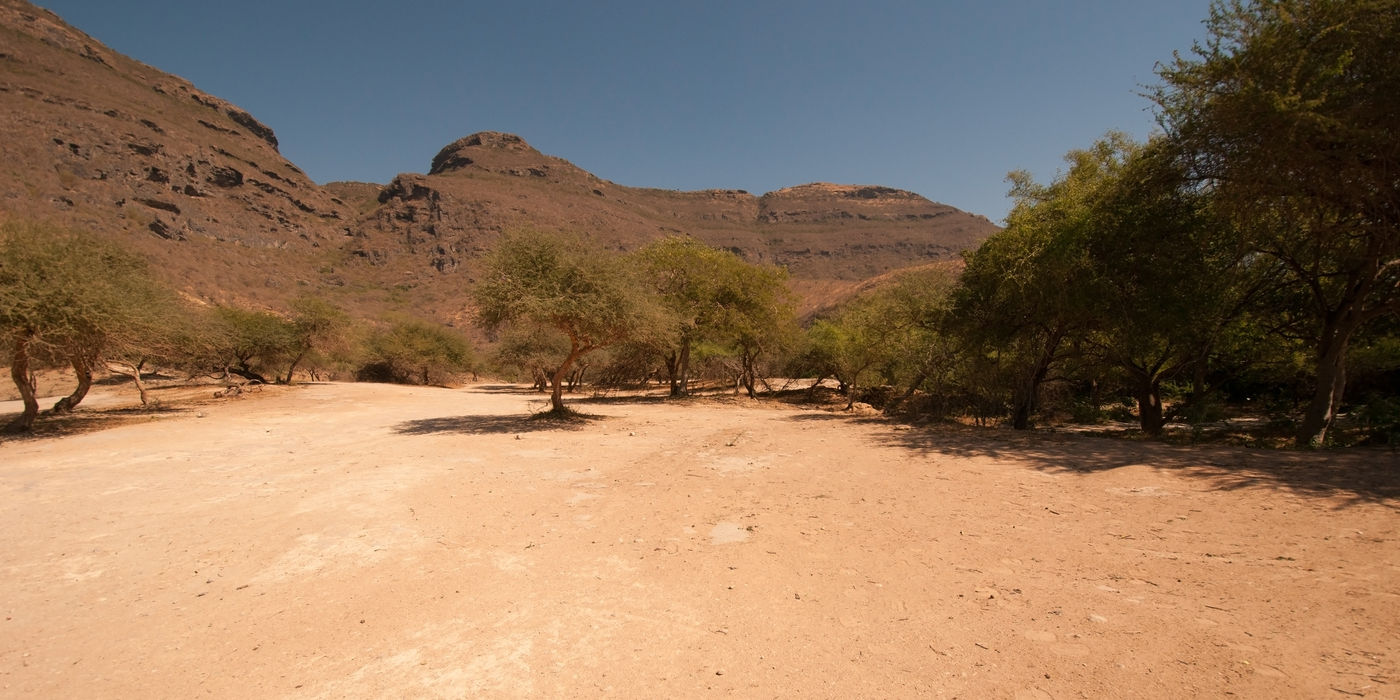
pixel 1249 255
pixel 73 299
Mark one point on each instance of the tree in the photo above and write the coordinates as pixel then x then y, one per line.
pixel 1021 298
pixel 756 317
pixel 567 285
pixel 71 296
pixel 174 343
pixel 870 333
pixel 1287 114
pixel 714 297
pixel 249 342
pixel 409 349
pixel 1118 263
pixel 1168 277
pixel 918 351
pixel 686 274
pixel 316 326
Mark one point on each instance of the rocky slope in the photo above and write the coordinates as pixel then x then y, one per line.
pixel 92 139
pixel 489 182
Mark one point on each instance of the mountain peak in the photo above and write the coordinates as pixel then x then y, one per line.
pixel 491 150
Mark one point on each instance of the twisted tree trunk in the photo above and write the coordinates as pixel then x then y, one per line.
pixel 24 381
pixel 82 361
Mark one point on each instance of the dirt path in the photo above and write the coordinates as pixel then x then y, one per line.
pixel 349 540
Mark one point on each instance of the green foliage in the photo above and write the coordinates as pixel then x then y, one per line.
pixel 409 350
pixel 1022 296
pixel 66 288
pixel 893 333
pixel 530 353
pixel 715 300
pixel 251 343
pixel 567 286
pixel 1379 418
pixel 320 335
pixel 1286 116
pixel 69 296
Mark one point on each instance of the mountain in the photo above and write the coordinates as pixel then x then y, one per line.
pixel 92 139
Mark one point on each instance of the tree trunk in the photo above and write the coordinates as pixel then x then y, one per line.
pixel 140 386
pixel 1021 412
pixel 133 371
pixel 673 373
pixel 293 367
pixel 1331 376
pixel 746 377
pixel 1150 406
pixel 576 377
pixel 1024 396
pixel 556 395
pixel 245 371
pixel 908 392
pixel 82 361
pixel 24 381
pixel 683 367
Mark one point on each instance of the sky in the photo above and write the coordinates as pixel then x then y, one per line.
pixel 938 97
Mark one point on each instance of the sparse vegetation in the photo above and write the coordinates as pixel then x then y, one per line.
pixel 567 286
pixel 69 297
pixel 408 350
pixel 1245 260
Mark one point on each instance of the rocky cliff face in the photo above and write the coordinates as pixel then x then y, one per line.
pixel 92 139
pixel 485 183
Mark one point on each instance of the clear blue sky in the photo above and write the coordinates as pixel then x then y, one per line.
pixel 941 98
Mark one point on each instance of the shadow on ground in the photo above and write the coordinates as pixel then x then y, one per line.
pixel 81 421
pixel 494 425
pixel 1354 476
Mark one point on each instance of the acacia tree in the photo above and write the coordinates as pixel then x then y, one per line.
pixel 1286 114
pixel 876 332
pixel 568 285
pixel 408 349
pixel 70 296
pixel 686 274
pixel 316 326
pixel 756 316
pixel 715 297
pixel 248 342
pixel 916 349
pixel 1168 277
pixel 1021 298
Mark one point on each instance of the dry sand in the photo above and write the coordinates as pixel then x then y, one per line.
pixel 350 540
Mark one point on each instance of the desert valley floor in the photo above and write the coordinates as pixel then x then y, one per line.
pixel 356 540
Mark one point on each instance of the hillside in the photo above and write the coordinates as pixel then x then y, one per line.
pixel 95 140
pixel 490 181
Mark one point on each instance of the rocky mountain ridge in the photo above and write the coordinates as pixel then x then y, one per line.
pixel 95 140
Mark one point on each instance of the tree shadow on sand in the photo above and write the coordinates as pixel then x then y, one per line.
pixel 84 420
pixel 495 425
pixel 1354 476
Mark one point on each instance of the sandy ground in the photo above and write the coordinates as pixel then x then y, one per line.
pixel 344 540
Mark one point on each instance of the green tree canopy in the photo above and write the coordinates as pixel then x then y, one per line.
pixel 1287 114
pixel 406 350
pixel 251 342
pixel 568 285
pixel 716 298
pixel 66 295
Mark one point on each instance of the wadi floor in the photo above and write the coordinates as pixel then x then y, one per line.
pixel 365 541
